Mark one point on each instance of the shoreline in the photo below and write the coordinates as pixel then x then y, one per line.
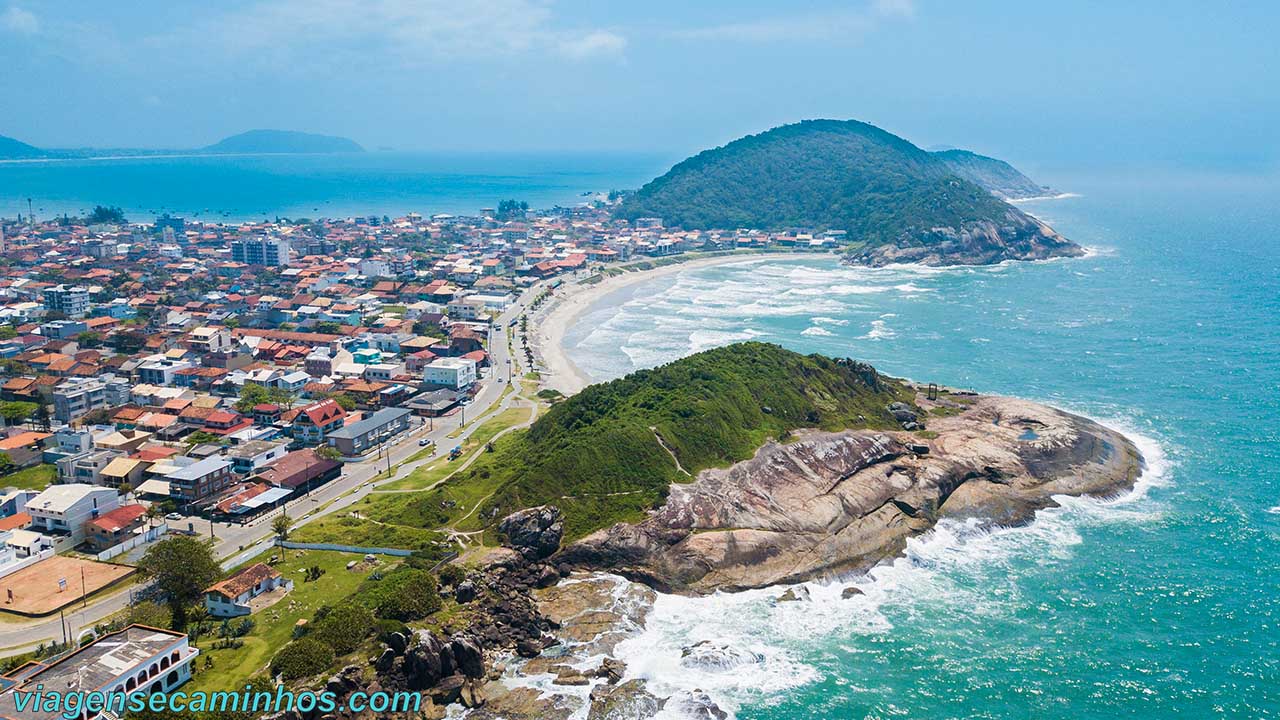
pixel 565 376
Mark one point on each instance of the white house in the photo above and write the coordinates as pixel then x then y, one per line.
pixel 454 373
pixel 64 509
pixel 231 597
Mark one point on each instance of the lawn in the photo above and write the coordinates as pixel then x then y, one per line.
pixel 274 625
pixel 36 477
pixel 341 529
pixel 428 475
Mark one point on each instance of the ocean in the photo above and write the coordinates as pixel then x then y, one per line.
pixel 231 188
pixel 1163 603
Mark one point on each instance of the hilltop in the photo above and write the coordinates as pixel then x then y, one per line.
pixel 996 176
pixel 897 202
pixel 282 141
pixel 11 149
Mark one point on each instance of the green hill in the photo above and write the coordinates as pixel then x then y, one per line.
pixel 597 455
pixel 897 202
pixel 282 141
pixel 11 149
pixel 996 176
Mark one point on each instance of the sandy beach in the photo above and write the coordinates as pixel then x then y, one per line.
pixel 572 299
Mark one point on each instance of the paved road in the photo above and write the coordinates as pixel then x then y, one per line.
pixel 236 543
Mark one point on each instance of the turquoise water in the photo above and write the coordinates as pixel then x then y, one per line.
pixel 257 187
pixel 1161 604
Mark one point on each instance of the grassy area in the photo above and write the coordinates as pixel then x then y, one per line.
pixel 600 454
pixel 274 625
pixel 36 477
pixel 369 531
pixel 430 474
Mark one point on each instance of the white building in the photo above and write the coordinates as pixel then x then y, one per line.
pixel 64 509
pixel 231 597
pixel 137 659
pixel 454 373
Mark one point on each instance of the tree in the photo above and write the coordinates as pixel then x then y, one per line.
pixel 281 526
pixel 345 401
pixel 201 436
pixel 151 614
pixel 8 332
pixel 512 209
pixel 105 215
pixel 17 411
pixel 181 568
pixel 89 339
pixel 251 394
pixel 328 453
pixel 406 594
pixel 154 513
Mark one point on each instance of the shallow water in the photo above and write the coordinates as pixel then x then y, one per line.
pixel 1159 604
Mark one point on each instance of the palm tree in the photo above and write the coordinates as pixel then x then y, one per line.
pixel 154 513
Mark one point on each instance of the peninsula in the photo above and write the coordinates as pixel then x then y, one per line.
pixel 251 142
pixel 890 201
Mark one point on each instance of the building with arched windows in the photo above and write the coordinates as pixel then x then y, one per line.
pixel 137 659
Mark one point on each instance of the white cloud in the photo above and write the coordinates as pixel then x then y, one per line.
pixel 599 42
pixel 15 19
pixel 835 26
pixel 414 31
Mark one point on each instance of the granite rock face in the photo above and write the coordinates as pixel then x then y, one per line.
pixel 534 532
pixel 1017 236
pixel 831 503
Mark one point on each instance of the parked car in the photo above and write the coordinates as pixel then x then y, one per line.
pixel 173 516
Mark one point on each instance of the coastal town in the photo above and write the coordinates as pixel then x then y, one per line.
pixel 206 379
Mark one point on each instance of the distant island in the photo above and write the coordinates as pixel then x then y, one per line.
pixel 895 201
pixel 282 141
pixel 252 141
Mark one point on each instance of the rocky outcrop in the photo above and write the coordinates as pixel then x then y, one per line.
pixel 534 533
pixel 831 503
pixel 1017 236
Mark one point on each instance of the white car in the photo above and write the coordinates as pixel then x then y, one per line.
pixel 173 516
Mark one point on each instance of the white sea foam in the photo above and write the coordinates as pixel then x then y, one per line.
pixel 816 331
pixel 935 575
pixel 1274 510
pixel 879 331
pixel 827 321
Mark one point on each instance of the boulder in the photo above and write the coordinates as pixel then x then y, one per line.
pixel 611 670
pixel 448 690
pixel 471 695
pixel 547 577
pixel 386 660
pixel 799 593
pixel 468 657
pixel 903 413
pixel 529 648
pixel 465 592
pixel 696 705
pixel 398 642
pixel 569 676
pixel 628 700
pixel 851 591
pixel 534 533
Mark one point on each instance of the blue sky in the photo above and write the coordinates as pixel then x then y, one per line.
pixel 1134 83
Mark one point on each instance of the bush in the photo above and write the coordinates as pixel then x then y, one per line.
pixel 451 575
pixel 387 627
pixel 344 627
pixel 302 658
pixel 405 594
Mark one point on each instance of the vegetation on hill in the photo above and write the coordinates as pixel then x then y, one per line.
pixel 897 203
pixel 995 176
pixel 282 141
pixel 610 452
pixel 821 174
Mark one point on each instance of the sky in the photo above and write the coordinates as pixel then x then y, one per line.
pixel 1064 83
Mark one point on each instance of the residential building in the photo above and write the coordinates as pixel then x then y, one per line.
pixel 24 448
pixel 63 510
pixel 301 469
pixel 75 397
pixel 315 421
pixel 137 659
pixel 271 252
pixel 159 370
pixel 115 526
pixel 248 458
pixel 360 436
pixel 63 329
pixel 450 372
pixel 199 480
pixel 69 300
pixel 231 597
